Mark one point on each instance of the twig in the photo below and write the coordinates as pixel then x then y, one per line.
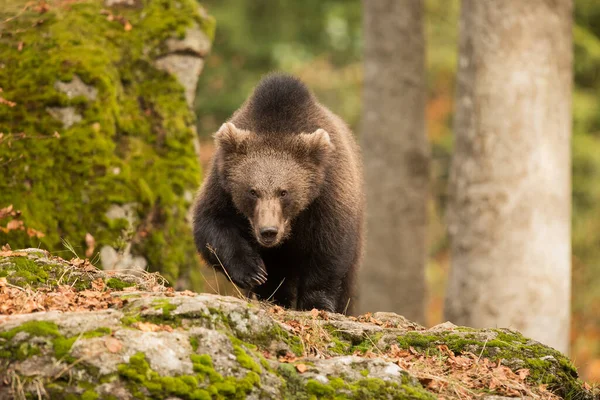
pixel 276 289
pixel 29 4
pixel 206 280
pixel 481 353
pixel 15 287
pixel 347 305
pixel 216 281
pixel 214 252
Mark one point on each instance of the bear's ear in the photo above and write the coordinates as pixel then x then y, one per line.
pixel 231 139
pixel 318 144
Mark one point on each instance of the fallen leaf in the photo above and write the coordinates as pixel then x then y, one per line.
pixel 7 102
pixel 276 310
pixel 14 225
pixel 523 373
pixel 289 357
pixel 127 26
pixel 42 7
pixel 302 368
pixel 150 327
pixel 6 211
pixel 90 243
pixel 10 253
pixel 98 284
pixel 113 344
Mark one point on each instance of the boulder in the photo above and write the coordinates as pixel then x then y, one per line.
pixel 123 337
pixel 97 136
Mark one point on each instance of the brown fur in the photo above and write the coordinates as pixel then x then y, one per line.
pixel 283 199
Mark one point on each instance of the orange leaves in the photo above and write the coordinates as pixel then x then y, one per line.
pixel 15 224
pixel 18 300
pixel 302 368
pixel 113 345
pixel 90 244
pixel 288 358
pixel 450 375
pixel 7 102
pixel 119 18
pixel 150 327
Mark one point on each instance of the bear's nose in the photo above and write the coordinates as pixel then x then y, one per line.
pixel 269 233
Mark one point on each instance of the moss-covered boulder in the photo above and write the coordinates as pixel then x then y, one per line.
pixel 137 339
pixel 97 147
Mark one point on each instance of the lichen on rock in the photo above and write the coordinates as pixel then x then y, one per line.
pixel 157 344
pixel 96 124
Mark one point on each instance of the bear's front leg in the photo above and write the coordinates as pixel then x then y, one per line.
pixel 219 237
pixel 320 290
pixel 239 262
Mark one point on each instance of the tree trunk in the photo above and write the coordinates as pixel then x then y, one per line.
pixel 396 156
pixel 509 212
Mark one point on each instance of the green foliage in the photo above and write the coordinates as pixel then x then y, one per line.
pixel 117 284
pixel 134 143
pixel 313 38
pixel 206 384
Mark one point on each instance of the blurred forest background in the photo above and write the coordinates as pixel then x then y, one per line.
pixel 321 42
pixel 98 153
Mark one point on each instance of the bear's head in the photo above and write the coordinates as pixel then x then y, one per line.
pixel 272 178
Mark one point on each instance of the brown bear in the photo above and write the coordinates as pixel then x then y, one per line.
pixel 281 209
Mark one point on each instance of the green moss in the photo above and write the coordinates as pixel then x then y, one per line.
pixel 364 372
pixel 194 342
pixel 278 333
pixel 27 271
pixel 245 360
pixel 370 388
pixel 546 365
pixel 292 385
pixel 62 346
pixel 346 343
pixel 130 319
pixel 98 332
pixel 118 284
pixel 165 305
pixel 134 143
pixel 318 389
pixel 34 328
pixel 133 315
pixel 89 395
pixel 25 350
pixel 206 384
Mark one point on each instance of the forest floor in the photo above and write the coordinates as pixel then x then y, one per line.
pixel 445 369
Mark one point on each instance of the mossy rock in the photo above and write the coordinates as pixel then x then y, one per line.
pixel 96 125
pixel 167 344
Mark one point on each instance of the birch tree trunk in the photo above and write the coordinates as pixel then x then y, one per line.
pixel 509 212
pixel 396 157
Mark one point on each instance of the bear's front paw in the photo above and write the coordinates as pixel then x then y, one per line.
pixel 247 272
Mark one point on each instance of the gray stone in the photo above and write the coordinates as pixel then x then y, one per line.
pixel 76 88
pixel 122 3
pixel 112 260
pixel 124 211
pixel 67 115
pixel 195 41
pixel 186 69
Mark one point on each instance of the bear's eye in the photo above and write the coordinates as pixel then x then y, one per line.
pixel 283 193
pixel 253 193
